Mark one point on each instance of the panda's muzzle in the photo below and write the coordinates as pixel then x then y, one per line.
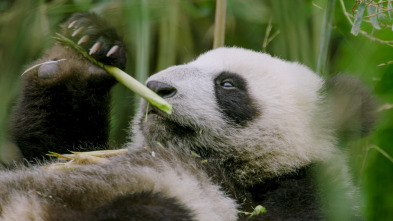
pixel 156 111
pixel 162 89
pixel 174 123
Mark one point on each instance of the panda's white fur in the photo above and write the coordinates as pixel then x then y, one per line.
pixel 35 193
pixel 293 129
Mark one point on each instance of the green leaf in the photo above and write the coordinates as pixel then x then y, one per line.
pixel 358 19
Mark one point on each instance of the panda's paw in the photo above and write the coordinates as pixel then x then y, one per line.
pixel 99 39
pixel 51 70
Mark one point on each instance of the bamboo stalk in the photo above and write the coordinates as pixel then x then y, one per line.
pixel 142 46
pixel 325 38
pixel 219 25
pixel 168 32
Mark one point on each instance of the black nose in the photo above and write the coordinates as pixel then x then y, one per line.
pixel 162 89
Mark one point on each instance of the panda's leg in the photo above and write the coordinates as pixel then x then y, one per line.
pixel 145 206
pixel 64 103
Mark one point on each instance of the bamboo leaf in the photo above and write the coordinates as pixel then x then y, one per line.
pixel 358 19
pixel 386 63
pixel 273 36
pixel 371 10
pixel 386 155
pixel 267 39
pixel 382 18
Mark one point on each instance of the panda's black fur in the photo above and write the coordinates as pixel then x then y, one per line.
pixel 191 165
pixel 68 110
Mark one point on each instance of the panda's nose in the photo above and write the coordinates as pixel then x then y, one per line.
pixel 162 89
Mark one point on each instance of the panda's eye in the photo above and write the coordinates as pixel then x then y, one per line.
pixel 227 84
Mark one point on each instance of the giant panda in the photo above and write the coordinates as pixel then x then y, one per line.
pixel 247 129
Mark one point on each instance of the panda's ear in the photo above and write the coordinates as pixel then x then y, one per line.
pixel 353 106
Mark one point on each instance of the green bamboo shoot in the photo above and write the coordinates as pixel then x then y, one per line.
pixel 122 77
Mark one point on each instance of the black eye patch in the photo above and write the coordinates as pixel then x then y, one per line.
pixel 233 98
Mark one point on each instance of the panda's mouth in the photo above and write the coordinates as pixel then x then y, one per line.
pixel 172 126
pixel 155 112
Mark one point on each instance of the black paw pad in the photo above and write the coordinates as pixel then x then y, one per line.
pixel 99 39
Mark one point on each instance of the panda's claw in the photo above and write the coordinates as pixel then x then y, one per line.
pixel 95 48
pixel 72 24
pixel 97 38
pixel 48 70
pixel 77 31
pixel 112 50
pixel 83 39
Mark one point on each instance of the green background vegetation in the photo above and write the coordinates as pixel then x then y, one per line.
pixel 161 33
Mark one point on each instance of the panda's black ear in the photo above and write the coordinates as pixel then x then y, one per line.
pixel 353 106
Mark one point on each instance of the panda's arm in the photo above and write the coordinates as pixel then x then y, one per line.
pixel 64 102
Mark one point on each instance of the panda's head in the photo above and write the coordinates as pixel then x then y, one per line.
pixel 264 115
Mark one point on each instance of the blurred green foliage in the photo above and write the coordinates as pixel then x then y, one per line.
pixel 161 33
